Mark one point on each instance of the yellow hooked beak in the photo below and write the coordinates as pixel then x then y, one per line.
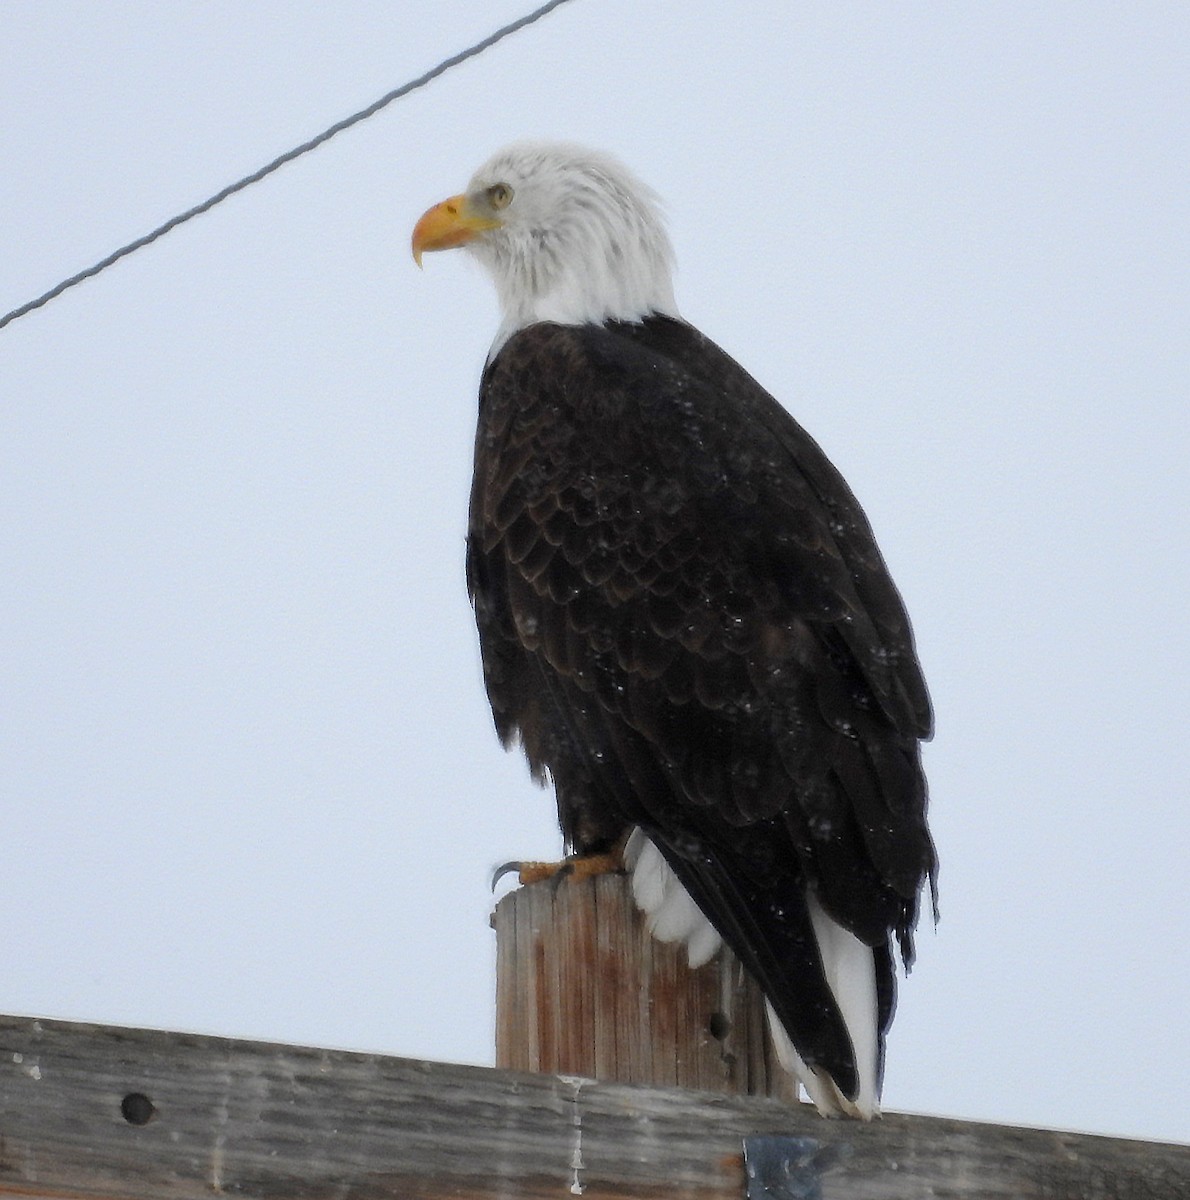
pixel 452 223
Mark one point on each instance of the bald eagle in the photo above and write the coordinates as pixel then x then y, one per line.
pixel 684 618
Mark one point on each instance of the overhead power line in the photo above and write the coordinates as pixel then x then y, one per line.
pixel 325 136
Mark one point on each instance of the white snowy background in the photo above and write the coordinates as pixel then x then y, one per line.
pixel 248 782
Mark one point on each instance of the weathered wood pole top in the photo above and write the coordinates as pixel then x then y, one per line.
pixel 93 1111
pixel 582 988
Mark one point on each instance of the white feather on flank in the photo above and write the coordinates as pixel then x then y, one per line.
pixel 671 914
pixel 848 964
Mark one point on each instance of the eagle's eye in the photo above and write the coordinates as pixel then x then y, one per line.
pixel 499 195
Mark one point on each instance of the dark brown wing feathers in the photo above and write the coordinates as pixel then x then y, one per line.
pixel 684 617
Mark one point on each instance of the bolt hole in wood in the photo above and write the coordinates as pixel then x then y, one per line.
pixel 137 1108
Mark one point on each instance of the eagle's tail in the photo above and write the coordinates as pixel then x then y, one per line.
pixel 849 967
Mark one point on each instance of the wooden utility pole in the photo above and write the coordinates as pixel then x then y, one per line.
pixel 583 989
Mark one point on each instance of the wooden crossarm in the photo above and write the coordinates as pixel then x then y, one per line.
pixel 134 1114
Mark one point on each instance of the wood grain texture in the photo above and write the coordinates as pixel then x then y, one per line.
pixel 583 989
pixel 270 1121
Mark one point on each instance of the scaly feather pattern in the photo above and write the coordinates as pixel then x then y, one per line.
pixel 685 620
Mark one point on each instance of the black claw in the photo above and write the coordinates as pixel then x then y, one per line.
pixel 563 872
pixel 504 869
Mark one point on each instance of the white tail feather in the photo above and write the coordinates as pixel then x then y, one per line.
pixel 848 964
pixel 850 968
pixel 820 1088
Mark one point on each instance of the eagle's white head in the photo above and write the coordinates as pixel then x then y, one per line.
pixel 567 234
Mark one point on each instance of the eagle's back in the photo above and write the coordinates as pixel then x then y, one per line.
pixel 684 617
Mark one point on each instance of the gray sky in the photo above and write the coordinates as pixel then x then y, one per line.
pixel 247 771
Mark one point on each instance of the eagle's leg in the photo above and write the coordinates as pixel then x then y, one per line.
pixel 574 867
